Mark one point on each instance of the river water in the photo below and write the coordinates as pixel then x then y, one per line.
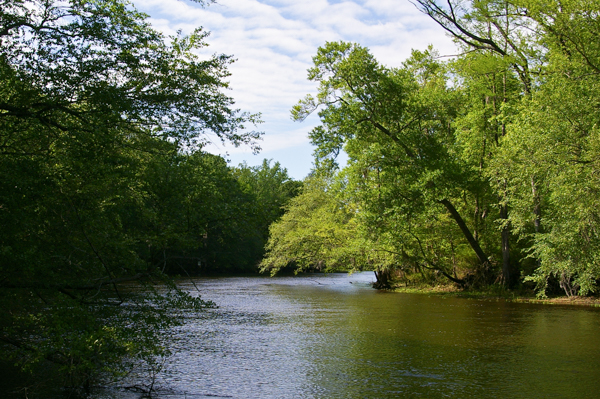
pixel 333 336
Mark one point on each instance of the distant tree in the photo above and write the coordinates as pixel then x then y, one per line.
pixel 317 232
pixel 194 217
pixel 271 188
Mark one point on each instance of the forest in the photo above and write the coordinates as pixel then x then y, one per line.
pixel 104 183
pixel 479 170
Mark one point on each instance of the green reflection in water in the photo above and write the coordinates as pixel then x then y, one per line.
pixel 385 345
pixel 335 337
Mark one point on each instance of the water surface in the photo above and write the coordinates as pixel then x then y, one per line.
pixel 333 336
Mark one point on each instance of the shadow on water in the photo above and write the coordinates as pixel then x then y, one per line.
pixel 332 336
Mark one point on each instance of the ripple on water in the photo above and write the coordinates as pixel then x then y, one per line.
pixel 332 336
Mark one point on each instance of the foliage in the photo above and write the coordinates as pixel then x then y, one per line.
pixel 318 231
pixel 396 127
pixel 194 216
pixel 102 181
pixel 270 189
pixel 554 140
pixel 483 168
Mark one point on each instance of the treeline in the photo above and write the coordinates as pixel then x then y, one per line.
pixel 480 169
pixel 180 213
pixel 103 184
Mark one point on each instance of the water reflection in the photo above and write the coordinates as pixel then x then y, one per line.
pixel 335 337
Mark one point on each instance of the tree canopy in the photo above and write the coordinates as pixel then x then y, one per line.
pixel 103 181
pixel 478 169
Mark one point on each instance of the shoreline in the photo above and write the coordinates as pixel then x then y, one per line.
pixel 509 296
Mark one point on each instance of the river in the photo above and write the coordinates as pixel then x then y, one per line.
pixel 333 336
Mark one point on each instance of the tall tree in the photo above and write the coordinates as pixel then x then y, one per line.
pixel 545 158
pixel 397 127
pixel 90 96
pixel 494 29
pixel 553 138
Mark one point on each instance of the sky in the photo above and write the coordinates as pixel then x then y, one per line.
pixel 273 42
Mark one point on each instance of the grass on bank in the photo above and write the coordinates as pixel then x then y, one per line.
pixel 495 293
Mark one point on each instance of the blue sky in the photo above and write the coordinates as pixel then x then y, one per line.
pixel 274 42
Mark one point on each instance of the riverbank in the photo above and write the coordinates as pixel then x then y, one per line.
pixel 495 294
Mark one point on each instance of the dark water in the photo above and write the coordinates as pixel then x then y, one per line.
pixel 333 336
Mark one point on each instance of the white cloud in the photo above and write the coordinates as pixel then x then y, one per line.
pixel 274 40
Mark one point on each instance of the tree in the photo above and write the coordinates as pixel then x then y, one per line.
pixel 92 101
pixel 397 127
pixel 194 216
pixel 318 231
pixel 494 30
pixel 272 189
pixel 496 27
pixel 544 162
pixel 490 91
pixel 96 67
pixel 554 138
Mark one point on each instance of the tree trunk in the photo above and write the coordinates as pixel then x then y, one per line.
pixel 505 246
pixel 537 209
pixel 383 278
pixel 483 259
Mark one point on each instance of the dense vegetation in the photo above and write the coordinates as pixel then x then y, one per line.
pixel 103 182
pixel 482 169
